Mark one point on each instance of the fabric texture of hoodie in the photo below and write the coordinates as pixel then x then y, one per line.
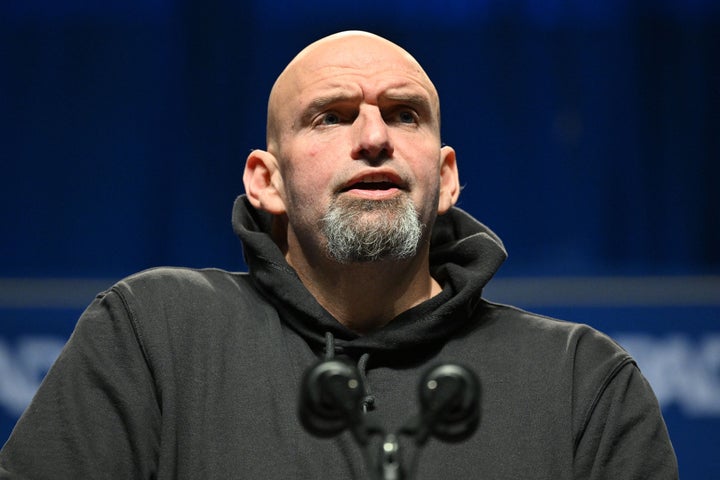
pixel 178 373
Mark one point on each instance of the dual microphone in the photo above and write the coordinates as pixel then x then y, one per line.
pixel 332 392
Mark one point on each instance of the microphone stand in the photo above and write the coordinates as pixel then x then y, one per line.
pixel 390 459
pixel 449 398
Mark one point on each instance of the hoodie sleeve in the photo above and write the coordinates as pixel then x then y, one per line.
pixel 625 436
pixel 96 410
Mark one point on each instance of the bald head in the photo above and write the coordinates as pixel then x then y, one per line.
pixel 353 126
pixel 346 54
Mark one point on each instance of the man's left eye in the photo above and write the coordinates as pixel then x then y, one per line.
pixel 407 116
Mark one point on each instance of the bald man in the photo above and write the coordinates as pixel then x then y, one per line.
pixel 356 254
pixel 354 176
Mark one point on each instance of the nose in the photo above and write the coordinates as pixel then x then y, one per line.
pixel 371 136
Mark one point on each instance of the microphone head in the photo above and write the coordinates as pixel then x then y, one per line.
pixel 450 402
pixel 330 397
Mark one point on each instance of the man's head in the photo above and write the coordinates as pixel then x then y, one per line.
pixel 354 166
pixel 328 56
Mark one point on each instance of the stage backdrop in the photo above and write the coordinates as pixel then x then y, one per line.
pixel 588 138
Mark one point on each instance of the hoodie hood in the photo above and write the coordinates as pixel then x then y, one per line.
pixel 464 255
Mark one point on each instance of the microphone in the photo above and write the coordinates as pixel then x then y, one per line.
pixel 330 396
pixel 330 401
pixel 450 403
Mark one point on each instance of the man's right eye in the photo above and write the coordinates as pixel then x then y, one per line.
pixel 329 119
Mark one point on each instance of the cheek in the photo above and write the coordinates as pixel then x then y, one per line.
pixel 311 155
pixel 427 177
pixel 320 159
pixel 315 165
pixel 306 187
pixel 425 165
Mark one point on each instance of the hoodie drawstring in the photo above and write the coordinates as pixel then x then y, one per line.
pixel 329 346
pixel 368 401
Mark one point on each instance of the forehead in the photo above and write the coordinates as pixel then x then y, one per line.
pixel 367 67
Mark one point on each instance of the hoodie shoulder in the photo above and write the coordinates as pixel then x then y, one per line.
pixel 185 294
pixel 177 281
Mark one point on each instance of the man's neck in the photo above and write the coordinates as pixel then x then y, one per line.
pixel 367 295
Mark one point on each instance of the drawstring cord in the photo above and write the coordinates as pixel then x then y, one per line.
pixel 329 346
pixel 368 401
pixel 387 464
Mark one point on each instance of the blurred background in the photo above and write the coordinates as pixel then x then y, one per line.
pixel 587 132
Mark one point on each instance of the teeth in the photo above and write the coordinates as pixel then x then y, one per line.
pixel 376 178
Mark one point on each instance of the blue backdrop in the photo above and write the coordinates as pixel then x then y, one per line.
pixel 588 138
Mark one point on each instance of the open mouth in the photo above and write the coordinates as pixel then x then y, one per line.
pixel 371 186
pixel 375 182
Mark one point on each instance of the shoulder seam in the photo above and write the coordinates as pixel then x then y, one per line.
pixel 626 360
pixel 135 324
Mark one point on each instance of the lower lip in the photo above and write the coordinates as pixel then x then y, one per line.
pixel 374 194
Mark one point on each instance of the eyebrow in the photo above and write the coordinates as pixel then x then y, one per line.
pixel 322 102
pixel 409 98
pixel 421 102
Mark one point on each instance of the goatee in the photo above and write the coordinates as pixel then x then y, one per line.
pixel 360 230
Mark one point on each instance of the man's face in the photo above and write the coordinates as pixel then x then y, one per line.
pixel 356 129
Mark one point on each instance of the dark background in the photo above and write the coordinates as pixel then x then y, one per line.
pixel 587 132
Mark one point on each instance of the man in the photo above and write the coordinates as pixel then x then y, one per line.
pixel 356 251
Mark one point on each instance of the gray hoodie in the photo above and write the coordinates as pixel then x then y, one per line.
pixel 195 374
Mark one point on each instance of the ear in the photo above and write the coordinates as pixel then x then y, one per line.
pixel 263 182
pixel 449 180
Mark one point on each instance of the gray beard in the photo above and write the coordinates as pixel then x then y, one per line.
pixel 394 232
